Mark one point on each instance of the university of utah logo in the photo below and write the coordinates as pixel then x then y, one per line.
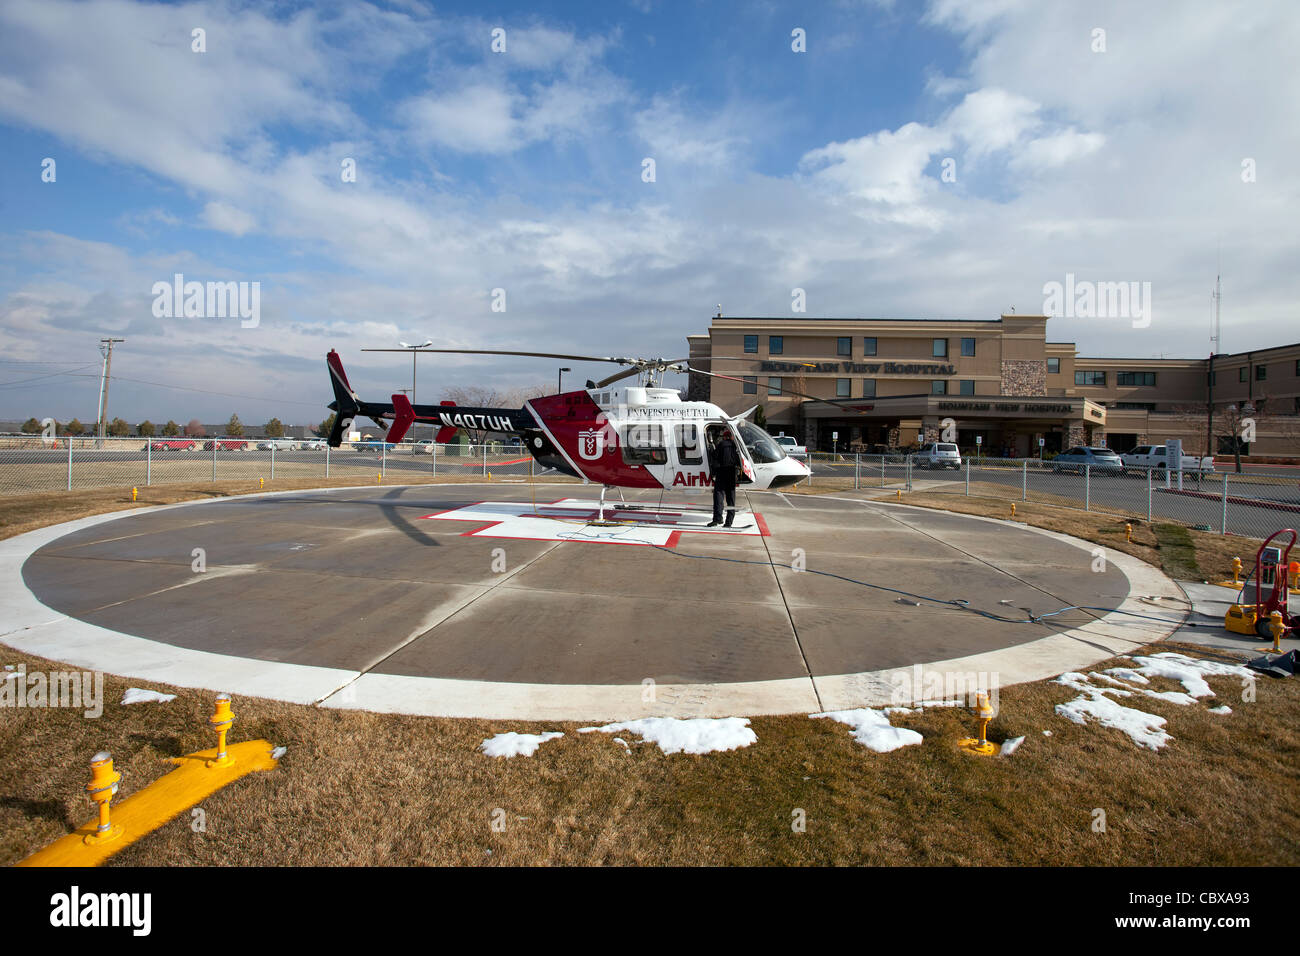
pixel 591 443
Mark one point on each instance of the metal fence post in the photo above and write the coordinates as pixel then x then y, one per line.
pixel 273 461
pixel 1223 519
pixel 1148 493
pixel 857 465
pixel 327 460
pixel 214 459
pixel 1024 480
pixel 69 463
pixel 148 463
pixel 435 460
pixel 383 460
pixel 968 476
pixel 907 462
pixel 485 459
pixel 1087 487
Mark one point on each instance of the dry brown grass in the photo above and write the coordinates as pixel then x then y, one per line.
pixel 358 788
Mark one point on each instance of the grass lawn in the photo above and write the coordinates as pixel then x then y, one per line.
pixel 358 788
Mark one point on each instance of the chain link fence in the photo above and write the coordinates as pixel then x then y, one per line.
pixel 30 466
pixel 1253 504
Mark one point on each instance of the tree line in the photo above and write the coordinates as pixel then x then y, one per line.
pixel 119 428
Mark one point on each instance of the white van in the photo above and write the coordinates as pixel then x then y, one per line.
pixel 938 454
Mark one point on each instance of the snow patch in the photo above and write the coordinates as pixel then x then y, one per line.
pixel 1011 746
pixel 511 744
pixel 1143 729
pixel 1221 709
pixel 872 729
pixel 136 695
pixel 278 752
pixel 692 735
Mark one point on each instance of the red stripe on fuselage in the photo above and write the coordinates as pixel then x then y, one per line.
pixel 590 443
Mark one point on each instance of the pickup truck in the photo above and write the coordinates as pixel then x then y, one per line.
pixel 791 446
pixel 1154 456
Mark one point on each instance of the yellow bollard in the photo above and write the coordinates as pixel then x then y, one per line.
pixel 983 713
pixel 1236 570
pixel 1013 509
pixel 221 720
pixel 379 478
pixel 259 482
pixel 489 476
pixel 1293 571
pixel 1128 531
pixel 899 492
pixel 134 492
pixel 102 788
pixel 1277 627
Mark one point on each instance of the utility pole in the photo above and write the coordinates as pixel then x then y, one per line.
pixel 106 349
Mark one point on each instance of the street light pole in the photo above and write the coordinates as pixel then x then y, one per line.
pixel 559 380
pixel 414 349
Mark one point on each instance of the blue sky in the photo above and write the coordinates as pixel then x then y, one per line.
pixel 522 170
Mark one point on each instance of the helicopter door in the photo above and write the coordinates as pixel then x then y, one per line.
pixel 745 475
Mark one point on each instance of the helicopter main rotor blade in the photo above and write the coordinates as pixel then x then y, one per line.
pixel 555 355
pixel 617 376
pixel 786 391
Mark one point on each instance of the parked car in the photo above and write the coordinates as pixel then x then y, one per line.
pixel 791 446
pixel 173 444
pixel 1156 456
pixel 938 454
pixel 425 445
pixel 225 444
pixel 313 444
pixel 278 444
pixel 1102 460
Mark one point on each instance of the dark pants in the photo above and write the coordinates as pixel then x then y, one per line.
pixel 721 491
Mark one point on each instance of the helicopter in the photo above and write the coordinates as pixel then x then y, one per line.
pixel 641 436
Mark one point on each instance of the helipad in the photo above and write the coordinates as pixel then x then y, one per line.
pixel 463 600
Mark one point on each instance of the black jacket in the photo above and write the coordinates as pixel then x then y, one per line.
pixel 723 462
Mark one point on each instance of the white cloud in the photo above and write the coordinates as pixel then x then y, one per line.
pixel 992 119
pixel 886 167
pixel 226 218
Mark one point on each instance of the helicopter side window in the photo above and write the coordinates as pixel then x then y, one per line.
pixel 643 444
pixel 689 451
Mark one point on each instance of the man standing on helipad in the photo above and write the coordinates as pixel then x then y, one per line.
pixel 724 461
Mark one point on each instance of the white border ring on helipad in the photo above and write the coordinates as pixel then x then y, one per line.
pixel 33 628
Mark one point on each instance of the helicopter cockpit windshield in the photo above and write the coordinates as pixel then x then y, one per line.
pixel 760 445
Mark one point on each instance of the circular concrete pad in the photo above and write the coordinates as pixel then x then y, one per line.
pixel 384 598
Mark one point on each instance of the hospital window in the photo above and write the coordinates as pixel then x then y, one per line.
pixel 774 385
pixel 842 388
pixel 940 348
pixel 751 343
pixel 938 388
pixel 967 346
pixel 775 344
pixel 868 388
pixel 968 386
pixel 844 345
pixel 869 348
pixel 1054 366
pixel 751 385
